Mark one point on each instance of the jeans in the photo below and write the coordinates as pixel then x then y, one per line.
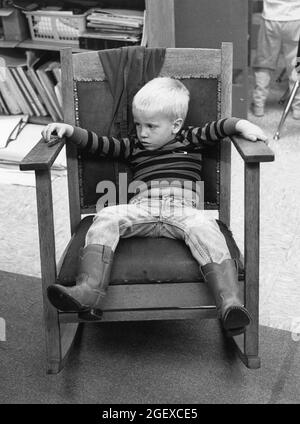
pixel 162 216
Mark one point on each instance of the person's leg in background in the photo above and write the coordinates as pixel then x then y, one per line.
pixel 290 39
pixel 268 49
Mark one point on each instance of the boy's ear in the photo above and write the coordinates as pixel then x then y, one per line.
pixel 177 124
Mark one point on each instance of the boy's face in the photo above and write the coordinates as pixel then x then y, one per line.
pixel 154 129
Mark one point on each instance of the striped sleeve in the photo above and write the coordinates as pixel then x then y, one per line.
pixel 212 131
pixel 102 146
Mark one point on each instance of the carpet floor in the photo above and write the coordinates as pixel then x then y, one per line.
pixel 154 362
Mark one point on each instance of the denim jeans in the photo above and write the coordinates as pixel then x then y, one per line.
pixel 163 216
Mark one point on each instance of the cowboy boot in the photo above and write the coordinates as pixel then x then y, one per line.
pixel 222 280
pixel 91 283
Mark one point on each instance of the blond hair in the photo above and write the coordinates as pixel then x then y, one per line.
pixel 163 95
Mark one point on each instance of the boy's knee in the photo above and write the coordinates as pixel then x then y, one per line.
pixel 109 211
pixel 202 226
pixel 112 215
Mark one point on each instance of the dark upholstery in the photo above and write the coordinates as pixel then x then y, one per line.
pixel 139 260
pixel 95 96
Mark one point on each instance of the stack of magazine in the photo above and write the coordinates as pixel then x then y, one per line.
pixel 119 26
pixel 30 85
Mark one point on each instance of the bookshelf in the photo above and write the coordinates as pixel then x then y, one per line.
pixel 16 24
pixel 182 23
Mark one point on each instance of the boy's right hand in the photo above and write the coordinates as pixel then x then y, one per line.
pixel 58 129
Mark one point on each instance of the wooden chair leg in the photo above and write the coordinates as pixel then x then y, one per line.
pixel 248 343
pixel 59 337
pixel 52 336
pixel 59 340
pixel 251 361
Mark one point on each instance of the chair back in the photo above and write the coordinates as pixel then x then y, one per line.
pixel 88 103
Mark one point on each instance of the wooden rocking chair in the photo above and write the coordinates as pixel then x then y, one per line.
pixel 152 279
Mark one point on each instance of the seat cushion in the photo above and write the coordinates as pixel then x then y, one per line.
pixel 144 260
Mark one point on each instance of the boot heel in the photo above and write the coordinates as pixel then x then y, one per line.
pixel 235 319
pixel 235 332
pixel 91 315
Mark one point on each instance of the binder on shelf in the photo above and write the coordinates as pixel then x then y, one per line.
pixel 30 86
pixel 3 107
pixel 53 70
pixel 94 42
pixel 41 111
pixel 26 95
pixel 18 95
pixel 58 92
pixel 11 60
pixel 57 73
pixel 42 92
pixel 46 79
pixel 8 101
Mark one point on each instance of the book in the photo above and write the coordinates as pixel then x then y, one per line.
pixel 12 59
pixel 23 91
pixel 40 101
pixel 110 35
pixel 41 111
pixel 42 92
pixel 55 68
pixel 122 17
pixel 4 109
pixel 8 102
pixel 34 61
pixel 57 73
pixel 116 24
pixel 18 95
pixel 98 43
pixel 58 92
pixel 47 79
pixel 26 95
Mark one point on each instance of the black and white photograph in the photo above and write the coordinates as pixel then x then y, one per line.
pixel 150 206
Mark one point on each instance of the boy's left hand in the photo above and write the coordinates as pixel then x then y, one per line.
pixel 250 131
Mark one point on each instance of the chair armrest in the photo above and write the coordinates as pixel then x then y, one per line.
pixel 252 151
pixel 41 156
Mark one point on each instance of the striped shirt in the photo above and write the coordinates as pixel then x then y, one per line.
pixel 176 162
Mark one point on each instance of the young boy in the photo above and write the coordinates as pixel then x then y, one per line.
pixel 164 153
